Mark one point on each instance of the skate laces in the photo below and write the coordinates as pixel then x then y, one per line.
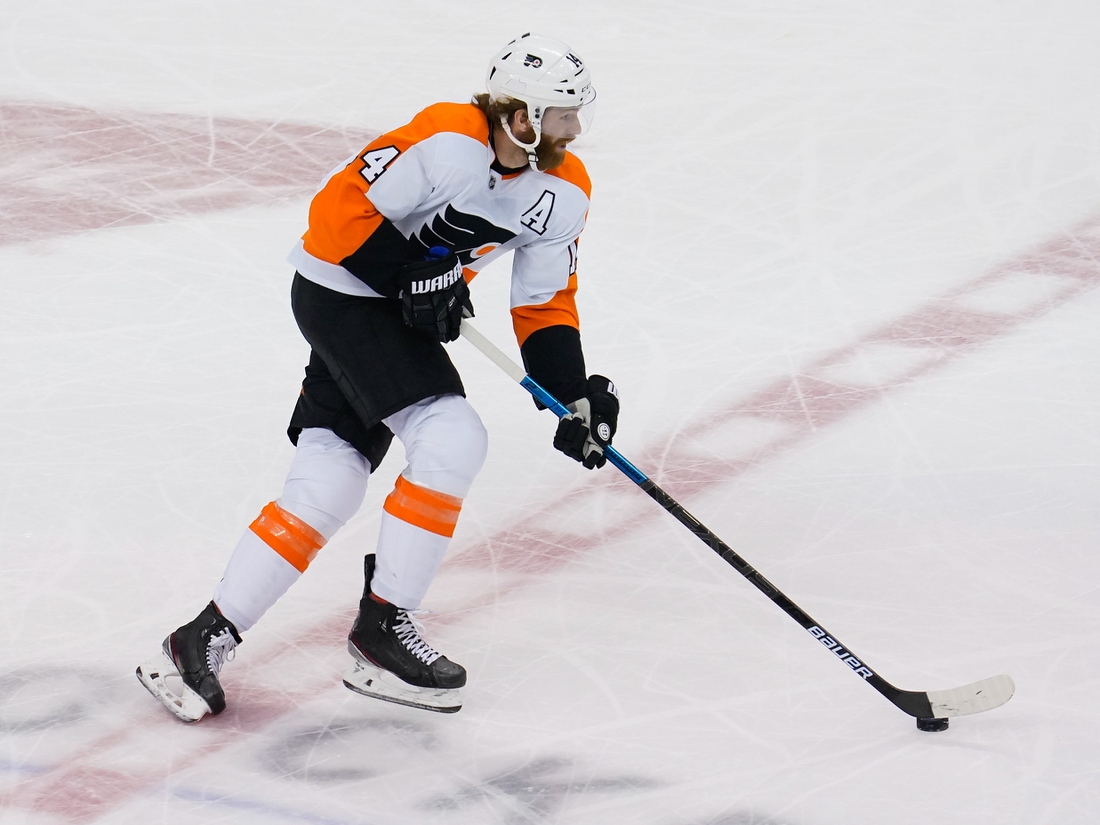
pixel 220 649
pixel 408 629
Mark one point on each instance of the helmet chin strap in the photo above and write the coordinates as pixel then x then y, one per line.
pixel 529 148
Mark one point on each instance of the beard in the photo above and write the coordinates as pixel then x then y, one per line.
pixel 551 152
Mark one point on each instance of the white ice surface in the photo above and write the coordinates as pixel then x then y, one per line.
pixel 773 182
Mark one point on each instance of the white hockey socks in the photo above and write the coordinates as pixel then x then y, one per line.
pixel 417 525
pixel 445 445
pixel 256 576
pixel 324 488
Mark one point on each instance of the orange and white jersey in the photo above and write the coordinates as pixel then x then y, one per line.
pixel 429 183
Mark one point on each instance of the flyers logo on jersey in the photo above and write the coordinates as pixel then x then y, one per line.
pixel 470 236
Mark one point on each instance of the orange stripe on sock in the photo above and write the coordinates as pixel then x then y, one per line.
pixel 424 508
pixel 288 536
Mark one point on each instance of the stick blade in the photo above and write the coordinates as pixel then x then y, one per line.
pixel 973 698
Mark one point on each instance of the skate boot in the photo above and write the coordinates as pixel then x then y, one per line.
pixel 392 661
pixel 184 677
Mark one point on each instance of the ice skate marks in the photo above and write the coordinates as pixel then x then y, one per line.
pixel 370 680
pixel 162 679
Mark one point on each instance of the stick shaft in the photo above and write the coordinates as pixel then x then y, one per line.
pixel 912 702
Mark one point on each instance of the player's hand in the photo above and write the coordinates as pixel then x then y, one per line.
pixel 591 424
pixel 434 295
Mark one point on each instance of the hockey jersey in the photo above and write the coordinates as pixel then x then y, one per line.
pixel 430 183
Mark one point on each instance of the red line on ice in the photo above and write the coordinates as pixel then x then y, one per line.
pixel 824 392
pixel 67 169
pixel 71 169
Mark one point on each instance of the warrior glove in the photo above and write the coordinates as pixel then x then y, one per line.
pixel 434 295
pixel 584 433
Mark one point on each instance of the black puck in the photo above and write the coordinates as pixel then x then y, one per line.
pixel 931 725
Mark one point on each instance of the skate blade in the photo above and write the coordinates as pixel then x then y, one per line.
pixel 377 683
pixel 163 680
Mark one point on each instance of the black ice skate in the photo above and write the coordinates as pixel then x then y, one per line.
pixel 392 661
pixel 184 677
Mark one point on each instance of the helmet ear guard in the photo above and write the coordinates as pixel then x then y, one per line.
pixel 527 147
pixel 543 73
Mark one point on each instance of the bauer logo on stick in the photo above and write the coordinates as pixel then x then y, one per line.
pixel 841 652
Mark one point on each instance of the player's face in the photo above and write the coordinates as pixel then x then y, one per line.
pixel 551 151
pixel 561 126
pixel 561 123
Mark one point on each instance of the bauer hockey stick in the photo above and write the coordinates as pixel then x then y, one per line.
pixel 932 709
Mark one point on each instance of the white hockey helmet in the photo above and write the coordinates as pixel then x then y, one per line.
pixel 545 74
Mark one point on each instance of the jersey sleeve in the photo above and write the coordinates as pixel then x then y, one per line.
pixel 543 296
pixel 544 288
pixel 351 220
pixel 544 272
pixel 546 323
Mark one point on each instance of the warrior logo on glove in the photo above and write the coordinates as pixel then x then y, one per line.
pixel 438 282
pixel 434 295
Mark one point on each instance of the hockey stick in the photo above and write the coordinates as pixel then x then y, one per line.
pixel 931 709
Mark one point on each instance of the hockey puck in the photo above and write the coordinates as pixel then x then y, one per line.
pixel 930 725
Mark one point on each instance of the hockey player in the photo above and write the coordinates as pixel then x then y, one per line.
pixel 394 235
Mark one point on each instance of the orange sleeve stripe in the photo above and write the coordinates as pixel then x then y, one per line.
pixel 342 217
pixel 423 508
pixel 561 310
pixel 334 240
pixel 288 536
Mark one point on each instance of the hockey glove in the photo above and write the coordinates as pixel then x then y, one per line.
pixel 584 433
pixel 434 295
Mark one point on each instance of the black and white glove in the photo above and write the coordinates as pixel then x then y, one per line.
pixel 584 433
pixel 434 295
